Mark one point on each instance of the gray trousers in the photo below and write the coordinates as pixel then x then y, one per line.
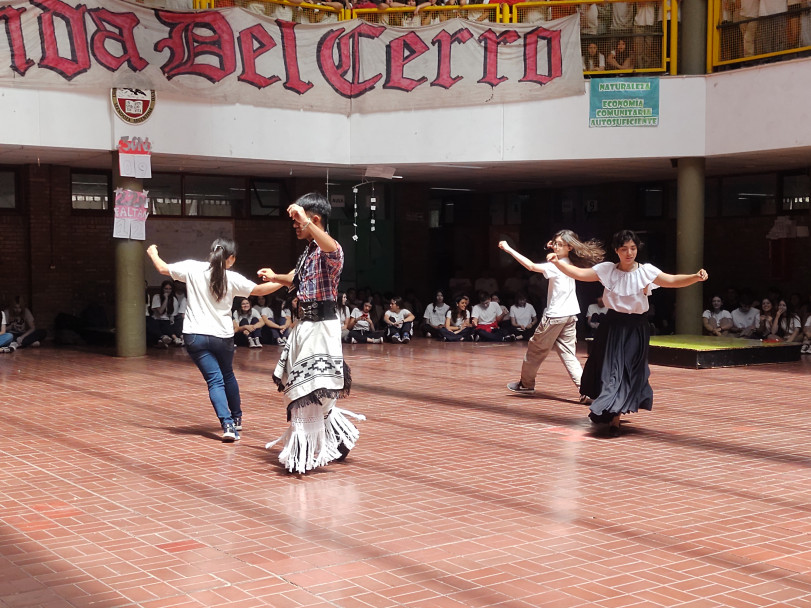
pixel 560 334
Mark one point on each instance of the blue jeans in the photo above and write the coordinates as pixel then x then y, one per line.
pixel 6 339
pixel 214 358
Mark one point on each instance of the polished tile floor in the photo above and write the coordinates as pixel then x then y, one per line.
pixel 115 489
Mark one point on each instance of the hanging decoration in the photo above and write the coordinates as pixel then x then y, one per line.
pixel 372 209
pixel 355 213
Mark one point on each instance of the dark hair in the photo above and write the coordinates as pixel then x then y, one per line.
pixel 316 203
pixel 622 237
pixel 583 254
pixel 221 250
pixel 170 303
pixel 397 300
pixel 456 312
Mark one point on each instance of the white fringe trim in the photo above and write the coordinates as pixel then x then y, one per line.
pixel 314 434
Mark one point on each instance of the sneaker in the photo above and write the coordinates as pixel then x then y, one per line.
pixel 251 342
pixel 509 338
pixel 396 339
pixel 517 387
pixel 161 344
pixel 177 342
pixel 238 423
pixel 806 349
pixel 35 344
pixel 5 349
pixel 374 340
pixel 475 337
pixel 259 343
pixel 166 340
pixel 406 338
pixel 353 341
pixel 229 433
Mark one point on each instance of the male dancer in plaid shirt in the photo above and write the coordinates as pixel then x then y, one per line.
pixel 311 371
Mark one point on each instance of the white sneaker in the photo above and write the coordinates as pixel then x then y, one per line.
pixel 806 349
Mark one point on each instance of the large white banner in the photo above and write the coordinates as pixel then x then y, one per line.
pixel 234 55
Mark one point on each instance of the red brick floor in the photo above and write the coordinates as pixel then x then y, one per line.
pixel 116 491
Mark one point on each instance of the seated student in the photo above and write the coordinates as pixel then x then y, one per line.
pixel 20 324
pixel 344 314
pixel 523 318
pixel 398 322
pixel 261 310
pixel 485 318
pixel 806 349
pixel 595 314
pixel 786 325
pixel 593 60
pixel 716 319
pixel 621 58
pixel 766 319
pixel 361 327
pixel 745 319
pixel 180 316
pixel 277 323
pixel 6 338
pixel 434 317
pixel 247 325
pixel 504 323
pixel 164 309
pixel 457 322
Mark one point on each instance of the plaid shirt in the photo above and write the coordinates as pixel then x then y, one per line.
pixel 318 273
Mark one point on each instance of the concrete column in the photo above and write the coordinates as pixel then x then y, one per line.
pixel 690 242
pixel 693 36
pixel 130 321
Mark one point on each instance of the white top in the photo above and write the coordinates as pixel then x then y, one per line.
pixel 204 314
pixel 435 315
pixel 622 15
pixel 486 314
pixel 156 303
pixel 627 292
pixel 181 309
pixel 360 324
pixel 458 321
pixel 343 314
pixel 645 14
pixel 595 309
pixel 264 311
pixel 721 314
pixel 397 317
pixel 773 7
pixel 591 63
pixel 522 315
pixel 589 18
pixel 248 316
pixel 3 317
pixel 750 8
pixel 789 325
pixel 561 297
pixel 745 320
pixel 807 322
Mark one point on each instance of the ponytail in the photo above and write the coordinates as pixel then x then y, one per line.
pixel 221 250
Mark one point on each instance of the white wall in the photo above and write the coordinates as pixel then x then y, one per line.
pixel 761 108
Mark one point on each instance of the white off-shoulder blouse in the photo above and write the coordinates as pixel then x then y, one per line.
pixel 627 292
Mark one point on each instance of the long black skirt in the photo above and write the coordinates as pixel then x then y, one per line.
pixel 616 373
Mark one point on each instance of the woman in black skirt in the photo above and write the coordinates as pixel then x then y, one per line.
pixel 616 373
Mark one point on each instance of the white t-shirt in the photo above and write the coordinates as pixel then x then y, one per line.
pixel 591 63
pixel 595 309
pixel 458 321
pixel 622 15
pixel 204 314
pixel 181 309
pixel 486 314
pixel 627 292
pixel 361 324
pixel 522 315
pixel 589 18
pixel 645 14
pixel 750 8
pixel 773 7
pixel 718 316
pixel 343 314
pixel 397 317
pixel 435 315
pixel 156 303
pixel 807 322
pixel 561 298
pixel 745 320
pixel 248 316
pixel 3 317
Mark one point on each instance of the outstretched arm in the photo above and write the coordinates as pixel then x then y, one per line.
pixel 268 275
pixel 579 274
pixel 161 266
pixel 680 280
pixel 524 261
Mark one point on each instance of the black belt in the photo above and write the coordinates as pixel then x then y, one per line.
pixel 317 310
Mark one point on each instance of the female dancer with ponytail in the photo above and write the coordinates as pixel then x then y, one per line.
pixel 557 328
pixel 208 331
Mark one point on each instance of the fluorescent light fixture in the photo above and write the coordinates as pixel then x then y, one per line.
pixel 454 189
pixel 451 166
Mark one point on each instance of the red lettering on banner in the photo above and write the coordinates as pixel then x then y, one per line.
pixel 349 58
pixel 400 52
pixel 125 23
pixel 290 54
pixel 491 42
pixel 73 18
pixel 444 40
pixel 187 42
pixel 249 52
pixel 20 62
pixel 554 57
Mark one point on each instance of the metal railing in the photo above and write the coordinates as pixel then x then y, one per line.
pixel 736 37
